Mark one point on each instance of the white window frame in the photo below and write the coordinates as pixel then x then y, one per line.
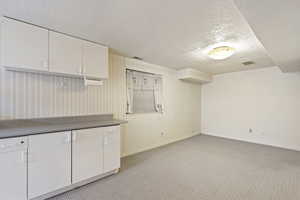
pixel 131 88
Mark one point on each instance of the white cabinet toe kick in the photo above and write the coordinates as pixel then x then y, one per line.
pixel 75 185
pixel 37 167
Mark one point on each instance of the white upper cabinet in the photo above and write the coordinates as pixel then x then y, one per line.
pixel 49 163
pixel 65 54
pixel 24 46
pixel 95 60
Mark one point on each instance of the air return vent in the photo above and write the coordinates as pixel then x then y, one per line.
pixel 137 58
pixel 248 63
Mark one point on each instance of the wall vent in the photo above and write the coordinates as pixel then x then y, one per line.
pixel 137 58
pixel 248 63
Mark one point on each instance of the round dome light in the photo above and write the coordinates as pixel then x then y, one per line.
pixel 221 52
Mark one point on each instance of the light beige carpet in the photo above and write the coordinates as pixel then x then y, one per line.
pixel 201 168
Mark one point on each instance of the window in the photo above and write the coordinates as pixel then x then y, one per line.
pixel 144 92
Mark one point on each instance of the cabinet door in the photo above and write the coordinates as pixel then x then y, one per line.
pixel 24 46
pixel 65 54
pixel 95 60
pixel 49 163
pixel 111 148
pixel 13 169
pixel 87 155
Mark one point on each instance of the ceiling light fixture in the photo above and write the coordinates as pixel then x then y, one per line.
pixel 220 52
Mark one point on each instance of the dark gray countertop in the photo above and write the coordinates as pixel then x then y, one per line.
pixel 25 127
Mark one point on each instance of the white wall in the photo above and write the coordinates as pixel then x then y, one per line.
pixel 27 95
pixel 266 100
pixel 181 117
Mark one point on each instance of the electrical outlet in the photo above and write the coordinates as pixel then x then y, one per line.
pixel 250 130
pixel 162 134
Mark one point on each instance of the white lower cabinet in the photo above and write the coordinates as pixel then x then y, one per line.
pixel 95 151
pixel 49 163
pixel 13 169
pixel 37 165
pixel 87 154
pixel 112 151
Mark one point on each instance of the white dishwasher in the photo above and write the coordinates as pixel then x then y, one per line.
pixel 13 168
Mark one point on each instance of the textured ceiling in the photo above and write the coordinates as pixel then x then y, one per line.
pixel 171 33
pixel 277 25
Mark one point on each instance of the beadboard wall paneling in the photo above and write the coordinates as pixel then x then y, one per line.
pixel 30 95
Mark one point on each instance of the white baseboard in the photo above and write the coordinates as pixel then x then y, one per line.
pixel 253 142
pixel 161 145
